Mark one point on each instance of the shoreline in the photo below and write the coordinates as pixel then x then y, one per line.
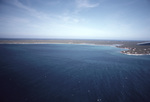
pixel 79 44
pixel 134 54
pixel 131 47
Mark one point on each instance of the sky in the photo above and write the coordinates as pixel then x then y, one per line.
pixel 75 19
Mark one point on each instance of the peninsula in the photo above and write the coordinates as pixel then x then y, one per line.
pixel 131 47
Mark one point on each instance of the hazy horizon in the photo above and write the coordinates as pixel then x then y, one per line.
pixel 71 39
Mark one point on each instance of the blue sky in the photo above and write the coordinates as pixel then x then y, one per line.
pixel 83 19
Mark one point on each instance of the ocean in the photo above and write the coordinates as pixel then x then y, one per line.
pixel 72 73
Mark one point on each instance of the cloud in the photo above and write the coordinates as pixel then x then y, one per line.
pixel 18 4
pixel 86 4
pixel 26 9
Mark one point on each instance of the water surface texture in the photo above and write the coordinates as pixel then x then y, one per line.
pixel 72 73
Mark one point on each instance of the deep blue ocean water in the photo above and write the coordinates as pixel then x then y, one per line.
pixel 72 73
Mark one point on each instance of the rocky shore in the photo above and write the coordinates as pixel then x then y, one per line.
pixel 135 49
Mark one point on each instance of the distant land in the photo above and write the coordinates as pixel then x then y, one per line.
pixel 132 47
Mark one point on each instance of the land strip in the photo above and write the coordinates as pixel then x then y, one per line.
pixel 132 47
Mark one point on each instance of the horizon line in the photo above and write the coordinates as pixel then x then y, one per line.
pixel 69 39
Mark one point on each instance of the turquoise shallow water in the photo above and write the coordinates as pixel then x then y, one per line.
pixel 72 73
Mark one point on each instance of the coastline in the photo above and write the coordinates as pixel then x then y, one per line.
pixel 134 54
pixel 131 46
